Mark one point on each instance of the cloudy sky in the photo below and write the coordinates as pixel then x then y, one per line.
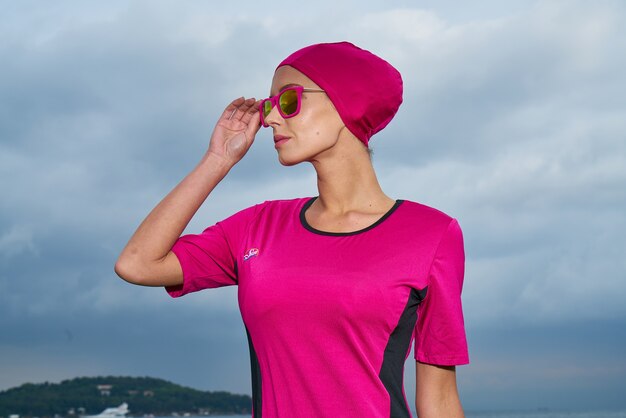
pixel 513 121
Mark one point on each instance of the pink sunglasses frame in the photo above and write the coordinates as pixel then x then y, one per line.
pixel 275 102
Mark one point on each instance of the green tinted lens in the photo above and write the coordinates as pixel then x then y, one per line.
pixel 288 102
pixel 267 108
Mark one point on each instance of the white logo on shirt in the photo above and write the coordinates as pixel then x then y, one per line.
pixel 251 253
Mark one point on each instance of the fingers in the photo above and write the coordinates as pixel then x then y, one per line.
pixel 252 111
pixel 254 124
pixel 240 109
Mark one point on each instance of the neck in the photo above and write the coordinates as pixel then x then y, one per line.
pixel 346 180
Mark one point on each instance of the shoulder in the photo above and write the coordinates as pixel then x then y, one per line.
pixel 278 204
pixel 281 205
pixel 426 214
pixel 286 203
pixel 426 223
pixel 271 208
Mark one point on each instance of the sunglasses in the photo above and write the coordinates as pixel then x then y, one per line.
pixel 288 102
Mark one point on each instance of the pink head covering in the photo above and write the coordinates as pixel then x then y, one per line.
pixel 365 89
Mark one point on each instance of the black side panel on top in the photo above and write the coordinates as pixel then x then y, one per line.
pixel 392 370
pixel 256 379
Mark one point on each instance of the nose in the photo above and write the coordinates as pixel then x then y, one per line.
pixel 274 117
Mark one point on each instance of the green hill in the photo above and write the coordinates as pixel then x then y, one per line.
pixel 90 395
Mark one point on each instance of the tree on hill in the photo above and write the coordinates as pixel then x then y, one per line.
pixel 145 395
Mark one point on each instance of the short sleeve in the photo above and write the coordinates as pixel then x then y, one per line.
pixel 209 259
pixel 440 331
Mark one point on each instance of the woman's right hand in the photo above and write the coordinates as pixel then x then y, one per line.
pixel 235 130
pixel 148 259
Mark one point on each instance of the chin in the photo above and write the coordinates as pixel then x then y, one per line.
pixel 289 159
pixel 287 162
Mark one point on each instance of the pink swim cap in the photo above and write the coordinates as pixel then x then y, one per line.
pixel 365 89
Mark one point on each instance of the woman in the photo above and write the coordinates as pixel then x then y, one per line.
pixel 332 289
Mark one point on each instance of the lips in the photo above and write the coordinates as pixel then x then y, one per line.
pixel 280 138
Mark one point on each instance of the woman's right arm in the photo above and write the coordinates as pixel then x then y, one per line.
pixel 147 259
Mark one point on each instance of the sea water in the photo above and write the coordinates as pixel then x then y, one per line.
pixel 502 414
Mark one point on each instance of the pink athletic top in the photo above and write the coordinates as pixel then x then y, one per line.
pixel 330 317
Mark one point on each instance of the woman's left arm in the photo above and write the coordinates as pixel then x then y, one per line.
pixel 436 394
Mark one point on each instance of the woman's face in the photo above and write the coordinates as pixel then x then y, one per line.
pixel 314 130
